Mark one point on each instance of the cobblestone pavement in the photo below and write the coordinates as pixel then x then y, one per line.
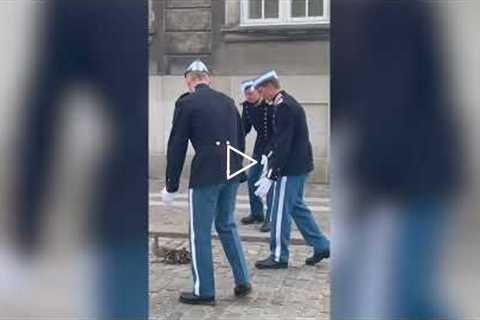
pixel 299 292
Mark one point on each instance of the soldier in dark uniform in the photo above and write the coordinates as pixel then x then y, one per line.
pixel 290 162
pixel 258 114
pixel 211 195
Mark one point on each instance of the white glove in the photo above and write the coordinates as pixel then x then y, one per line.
pixel 167 197
pixel 264 163
pixel 263 186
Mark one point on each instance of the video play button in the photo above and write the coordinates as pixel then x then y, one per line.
pixel 250 159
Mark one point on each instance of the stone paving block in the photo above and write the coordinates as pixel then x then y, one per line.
pixel 299 292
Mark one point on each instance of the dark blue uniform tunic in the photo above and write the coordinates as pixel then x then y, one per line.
pixel 260 117
pixel 210 121
pixel 290 144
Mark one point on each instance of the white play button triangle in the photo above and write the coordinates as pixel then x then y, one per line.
pixel 250 159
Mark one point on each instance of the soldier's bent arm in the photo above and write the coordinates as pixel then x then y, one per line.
pixel 177 147
pixel 282 140
pixel 247 123
pixel 178 104
pixel 241 133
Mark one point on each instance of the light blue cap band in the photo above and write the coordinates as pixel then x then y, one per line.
pixel 272 75
pixel 246 85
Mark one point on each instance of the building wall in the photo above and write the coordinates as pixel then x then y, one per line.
pixel 186 30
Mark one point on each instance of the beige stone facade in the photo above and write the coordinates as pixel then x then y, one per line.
pixel 213 31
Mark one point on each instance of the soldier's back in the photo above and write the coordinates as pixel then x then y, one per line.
pixel 213 117
pixel 214 124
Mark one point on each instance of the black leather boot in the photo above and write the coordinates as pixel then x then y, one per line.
pixel 250 219
pixel 317 257
pixel 242 290
pixel 190 298
pixel 270 263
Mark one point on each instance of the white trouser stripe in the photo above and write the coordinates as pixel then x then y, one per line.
pixel 278 226
pixel 272 204
pixel 196 285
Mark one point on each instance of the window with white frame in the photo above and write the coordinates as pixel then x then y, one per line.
pixel 271 12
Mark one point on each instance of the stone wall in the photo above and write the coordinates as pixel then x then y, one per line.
pixel 209 29
pixel 184 33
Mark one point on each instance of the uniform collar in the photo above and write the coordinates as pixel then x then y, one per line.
pixel 256 104
pixel 278 97
pixel 201 86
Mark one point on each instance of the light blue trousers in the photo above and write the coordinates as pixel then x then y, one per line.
pixel 288 203
pixel 206 204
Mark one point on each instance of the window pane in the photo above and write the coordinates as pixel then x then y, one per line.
pixel 299 8
pixel 271 8
pixel 255 9
pixel 315 8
